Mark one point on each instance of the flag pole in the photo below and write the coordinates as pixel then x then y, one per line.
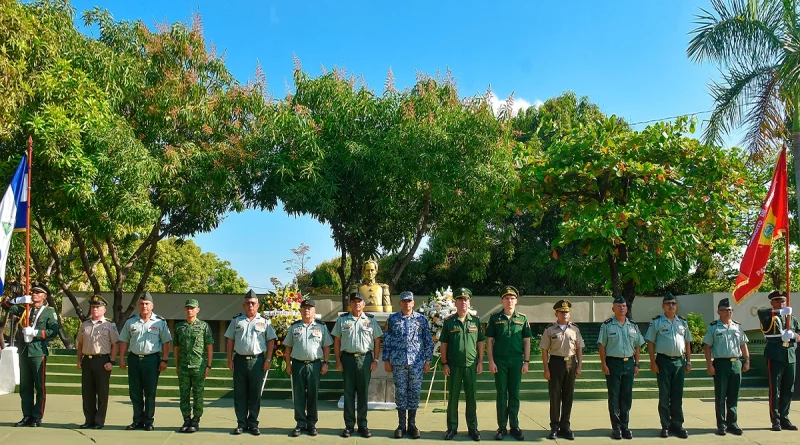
pixel 788 277
pixel 28 230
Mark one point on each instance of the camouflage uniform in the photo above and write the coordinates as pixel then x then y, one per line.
pixel 191 339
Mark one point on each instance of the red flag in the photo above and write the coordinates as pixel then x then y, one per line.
pixel 772 222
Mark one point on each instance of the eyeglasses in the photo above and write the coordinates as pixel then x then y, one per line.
pixel 724 310
pixel 671 304
pixel 250 303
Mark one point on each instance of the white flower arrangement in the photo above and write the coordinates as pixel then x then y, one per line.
pixel 439 306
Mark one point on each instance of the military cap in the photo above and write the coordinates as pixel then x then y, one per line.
pixel 619 300
pixel 562 306
pixel 462 292
pixel 97 300
pixel 191 302
pixel 668 297
pixel 146 297
pixel 40 287
pixel 251 294
pixel 776 294
pixel 308 303
pixel 356 295
pixel 510 290
pixel 406 296
pixel 724 303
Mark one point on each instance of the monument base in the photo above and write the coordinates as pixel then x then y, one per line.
pixel 381 384
pixel 9 370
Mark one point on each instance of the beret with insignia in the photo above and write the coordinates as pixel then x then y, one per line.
pixel 97 300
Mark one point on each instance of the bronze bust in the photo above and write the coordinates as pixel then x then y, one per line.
pixel 375 295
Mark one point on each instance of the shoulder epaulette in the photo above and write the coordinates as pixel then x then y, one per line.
pixel 608 321
pixel 713 323
pixel 496 313
pixel 680 318
pixel 454 314
pixel 370 315
pixel 656 317
pixel 521 314
pixel 573 324
pixel 238 315
pixel 133 316
pixel 297 321
pixel 735 321
pixel 345 314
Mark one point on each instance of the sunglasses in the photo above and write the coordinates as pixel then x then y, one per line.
pixel 671 304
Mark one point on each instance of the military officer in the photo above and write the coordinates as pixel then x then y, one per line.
pixel 146 339
pixel 669 344
pixel 727 357
pixel 38 326
pixel 781 358
pixel 356 346
pixel 250 342
pixel 193 339
pixel 308 347
pixel 97 354
pixel 462 359
pixel 618 345
pixel 562 352
pixel 407 352
pixel 508 336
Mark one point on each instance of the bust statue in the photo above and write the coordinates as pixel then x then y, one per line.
pixel 375 295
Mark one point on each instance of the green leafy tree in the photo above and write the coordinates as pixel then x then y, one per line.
pixel 181 266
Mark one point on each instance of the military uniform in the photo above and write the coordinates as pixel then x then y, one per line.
pixel 781 362
pixel 620 341
pixel 250 338
pixel 307 342
pixel 725 342
pixel 33 355
pixel 357 336
pixel 191 344
pixel 508 355
pixel 562 344
pixel 669 339
pixel 96 341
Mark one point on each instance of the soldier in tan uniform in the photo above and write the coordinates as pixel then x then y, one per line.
pixel 562 351
pixel 97 352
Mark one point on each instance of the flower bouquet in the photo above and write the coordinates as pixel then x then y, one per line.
pixel 439 306
pixel 282 308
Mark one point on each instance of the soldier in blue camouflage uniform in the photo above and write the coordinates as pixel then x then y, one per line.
pixel 192 339
pixel 407 352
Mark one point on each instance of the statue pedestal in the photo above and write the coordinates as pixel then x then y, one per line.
pixel 381 384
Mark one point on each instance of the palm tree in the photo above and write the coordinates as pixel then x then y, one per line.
pixel 758 43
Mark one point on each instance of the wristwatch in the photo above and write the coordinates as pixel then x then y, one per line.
pixel 113 363
pixel 165 362
pixel 208 366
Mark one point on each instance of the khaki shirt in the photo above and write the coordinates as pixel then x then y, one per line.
pixel 307 341
pixel 357 333
pixel 145 337
pixel 725 341
pixel 97 337
pixel 250 337
pixel 563 343
pixel 669 337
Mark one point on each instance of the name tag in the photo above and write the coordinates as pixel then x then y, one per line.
pixel 612 334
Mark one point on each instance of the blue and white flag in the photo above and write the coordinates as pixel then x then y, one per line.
pixel 9 207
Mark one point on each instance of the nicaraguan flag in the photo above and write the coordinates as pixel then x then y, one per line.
pixel 8 214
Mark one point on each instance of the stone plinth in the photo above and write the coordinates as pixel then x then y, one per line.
pixel 9 370
pixel 381 384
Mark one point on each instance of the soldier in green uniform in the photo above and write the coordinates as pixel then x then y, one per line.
pixel 193 338
pixel 669 343
pixel 727 357
pixel 308 347
pixel 462 360
pixel 618 345
pixel 781 358
pixel 38 326
pixel 509 348
pixel 98 340
pixel 146 339
pixel 252 338
pixel 356 346
pixel 562 353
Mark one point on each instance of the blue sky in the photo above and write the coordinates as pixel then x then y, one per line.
pixel 629 57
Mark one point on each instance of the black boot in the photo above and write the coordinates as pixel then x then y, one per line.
pixel 401 423
pixel 413 431
pixel 187 422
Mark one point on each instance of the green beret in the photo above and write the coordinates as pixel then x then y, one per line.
pixel 146 297
pixel 462 292
pixel 776 294
pixel 97 300
pixel 724 303
pixel 619 300
pixel 510 290
pixel 191 302
pixel 668 297
pixel 251 294
pixel 562 306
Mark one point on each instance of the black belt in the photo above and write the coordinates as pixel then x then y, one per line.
pixel 248 357
pixel 94 356
pixel 669 357
pixel 356 354
pixel 144 355
pixel 725 359
pixel 624 359
pixel 307 362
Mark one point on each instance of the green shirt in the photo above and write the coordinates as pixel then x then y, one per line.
pixel 357 333
pixel 772 325
pixel 669 337
pixel 191 340
pixel 250 337
pixel 508 334
pixel 307 341
pixel 620 340
pixel 725 341
pixel 462 339
pixel 145 337
pixel 47 325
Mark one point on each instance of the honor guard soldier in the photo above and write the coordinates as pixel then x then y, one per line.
pixel 146 339
pixel 618 345
pixel 562 353
pixel 97 354
pixel 462 359
pixel 38 326
pixel 407 352
pixel 781 358
pixel 727 357
pixel 508 336
pixel 193 351
pixel 308 347
pixel 251 340
pixel 356 346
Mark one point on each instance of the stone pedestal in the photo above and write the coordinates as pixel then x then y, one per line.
pixel 381 384
pixel 9 370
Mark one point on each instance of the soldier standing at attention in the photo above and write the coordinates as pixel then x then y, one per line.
pixel 781 358
pixel 97 355
pixel 252 338
pixel 562 353
pixel 38 326
pixel 407 352
pixel 618 345
pixel 308 346
pixel 669 344
pixel 193 338
pixel 146 338
pixel 356 346
pixel 725 345
pixel 509 348
pixel 462 360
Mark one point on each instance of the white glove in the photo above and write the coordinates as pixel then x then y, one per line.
pixel 25 299
pixel 788 335
pixel 785 311
pixel 29 331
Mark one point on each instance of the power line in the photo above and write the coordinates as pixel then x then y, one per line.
pixel 669 118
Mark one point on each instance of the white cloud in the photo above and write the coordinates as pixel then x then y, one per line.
pixel 519 103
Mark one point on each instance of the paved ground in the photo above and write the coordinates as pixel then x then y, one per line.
pixel 589 421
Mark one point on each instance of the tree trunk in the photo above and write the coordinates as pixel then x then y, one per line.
pixel 340 270
pixel 401 261
pixel 61 333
